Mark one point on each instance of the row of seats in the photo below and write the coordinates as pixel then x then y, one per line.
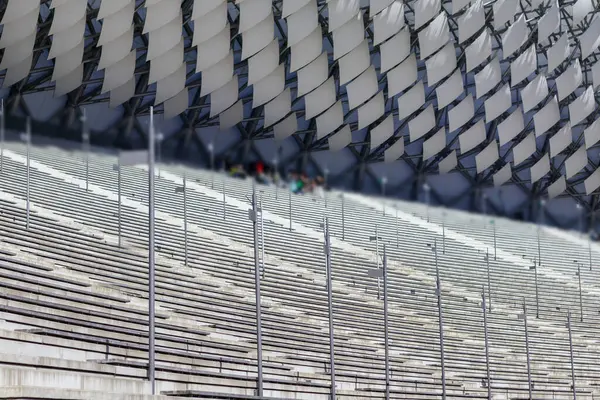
pixel 91 297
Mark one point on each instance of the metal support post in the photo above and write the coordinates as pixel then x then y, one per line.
pixel 386 326
pixel 441 320
pixel 211 151
pixel 151 264
pixel 590 250
pixel 427 190
pixel 573 387
pixel 262 238
pixel 377 259
pixel 397 229
pixel 224 200
pixel 443 232
pixel 277 177
pixel 159 139
pixel 2 133
pixel 290 207
pixel 182 189
pixel 185 225
pixel 343 219
pixel 253 217
pixel 527 351
pixel 537 293
pixel 487 346
pixel 580 294
pixel 330 308
pixel 539 247
pixel 117 167
pixel 28 146
pixel 383 183
pixel 85 138
pixel 495 247
pixel 489 280
pixel 539 228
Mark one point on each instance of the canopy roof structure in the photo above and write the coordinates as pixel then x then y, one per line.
pixel 467 94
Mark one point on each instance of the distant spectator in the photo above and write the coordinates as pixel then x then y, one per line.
pixel 238 171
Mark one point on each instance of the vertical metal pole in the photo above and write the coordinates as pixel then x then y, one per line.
pixel 487 346
pixel 211 150
pixel 397 229
pixel 571 353
pixel 262 238
pixel 527 350
pixel 85 136
pixel 151 275
pixel 28 138
pixel 185 225
pixel 539 245
pixel 259 386
pixel 443 232
pixel 590 250
pixel 537 293
pixel 290 207
pixel 495 247
pixel 2 127
pixel 489 280
pixel 383 182
pixel 224 201
pixel 377 259
pixel 427 189
pixel 343 218
pixel 330 308
pixel 441 320
pixel 159 140
pixel 119 201
pixel 386 326
pixel 580 294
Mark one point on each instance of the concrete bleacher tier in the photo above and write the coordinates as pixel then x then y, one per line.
pixel 73 305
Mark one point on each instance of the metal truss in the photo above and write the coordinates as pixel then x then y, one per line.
pixel 129 132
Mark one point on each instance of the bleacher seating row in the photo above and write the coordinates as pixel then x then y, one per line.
pixel 73 305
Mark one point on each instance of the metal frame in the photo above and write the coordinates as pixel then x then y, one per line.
pixel 186 142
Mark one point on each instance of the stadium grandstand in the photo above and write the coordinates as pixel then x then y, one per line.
pixel 299 199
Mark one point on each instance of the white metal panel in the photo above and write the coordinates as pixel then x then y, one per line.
pixel 395 50
pixel 320 99
pixel 330 120
pixel 487 157
pixel 524 149
pixel 473 137
pixel 582 106
pixel 313 75
pixel 422 123
pixel 232 116
pixel 411 101
pixel 441 64
pixel 498 103
pixel 306 51
pixel 534 93
pixel 561 140
pixel 340 139
pixel 382 132
pixel 278 108
pixel 557 187
pixel 402 76
pixel 511 126
pixel 450 89
pixel 547 117
pixel 371 111
pixel 434 144
pixel 461 113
